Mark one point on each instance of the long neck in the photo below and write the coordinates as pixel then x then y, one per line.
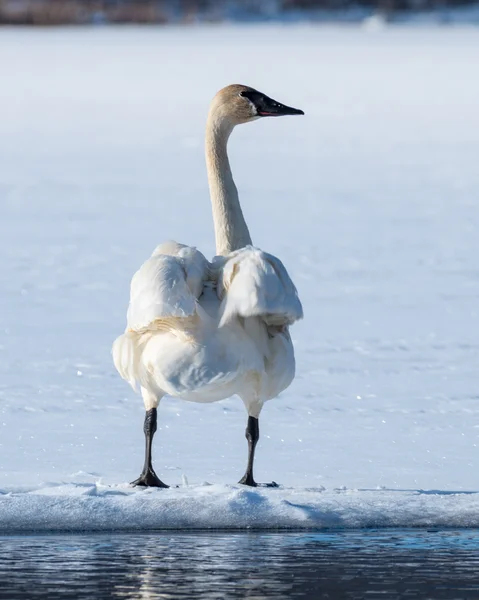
pixel 231 231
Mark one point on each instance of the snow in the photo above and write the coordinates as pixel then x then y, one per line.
pixel 370 200
pixel 96 507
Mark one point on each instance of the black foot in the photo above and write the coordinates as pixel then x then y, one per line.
pixel 248 480
pixel 149 479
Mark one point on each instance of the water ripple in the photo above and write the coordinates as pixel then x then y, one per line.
pixel 213 566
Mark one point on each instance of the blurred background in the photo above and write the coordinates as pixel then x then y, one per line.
pixel 63 12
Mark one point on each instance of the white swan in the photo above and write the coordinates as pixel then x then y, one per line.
pixel 205 331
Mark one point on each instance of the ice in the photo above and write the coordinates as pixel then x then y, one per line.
pixel 370 200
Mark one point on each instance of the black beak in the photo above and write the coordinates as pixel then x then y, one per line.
pixel 267 107
pixel 271 108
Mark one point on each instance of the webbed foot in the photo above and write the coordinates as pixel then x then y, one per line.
pixel 149 479
pixel 273 484
pixel 247 479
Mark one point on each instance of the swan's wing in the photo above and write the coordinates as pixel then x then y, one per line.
pixel 252 283
pixel 166 286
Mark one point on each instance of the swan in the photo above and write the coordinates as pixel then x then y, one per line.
pixel 205 331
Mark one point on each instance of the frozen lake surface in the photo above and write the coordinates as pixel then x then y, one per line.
pixel 350 565
pixel 370 200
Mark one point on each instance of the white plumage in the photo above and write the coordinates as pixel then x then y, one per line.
pixel 167 285
pixel 252 283
pixel 205 331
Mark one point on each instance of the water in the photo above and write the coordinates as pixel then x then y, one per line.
pixel 212 566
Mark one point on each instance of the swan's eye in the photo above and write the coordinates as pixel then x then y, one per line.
pixel 252 96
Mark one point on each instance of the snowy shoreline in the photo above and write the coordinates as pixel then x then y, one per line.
pixel 95 507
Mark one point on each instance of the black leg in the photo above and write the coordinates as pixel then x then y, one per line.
pixel 148 476
pixel 252 435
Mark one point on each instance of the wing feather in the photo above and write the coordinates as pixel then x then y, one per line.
pixel 253 283
pixel 166 286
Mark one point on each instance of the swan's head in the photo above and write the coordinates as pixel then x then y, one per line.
pixel 241 104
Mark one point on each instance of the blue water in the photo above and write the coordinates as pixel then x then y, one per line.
pixel 213 566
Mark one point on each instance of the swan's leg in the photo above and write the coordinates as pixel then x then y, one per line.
pixel 148 476
pixel 252 435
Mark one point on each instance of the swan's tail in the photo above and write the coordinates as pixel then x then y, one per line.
pixel 126 353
